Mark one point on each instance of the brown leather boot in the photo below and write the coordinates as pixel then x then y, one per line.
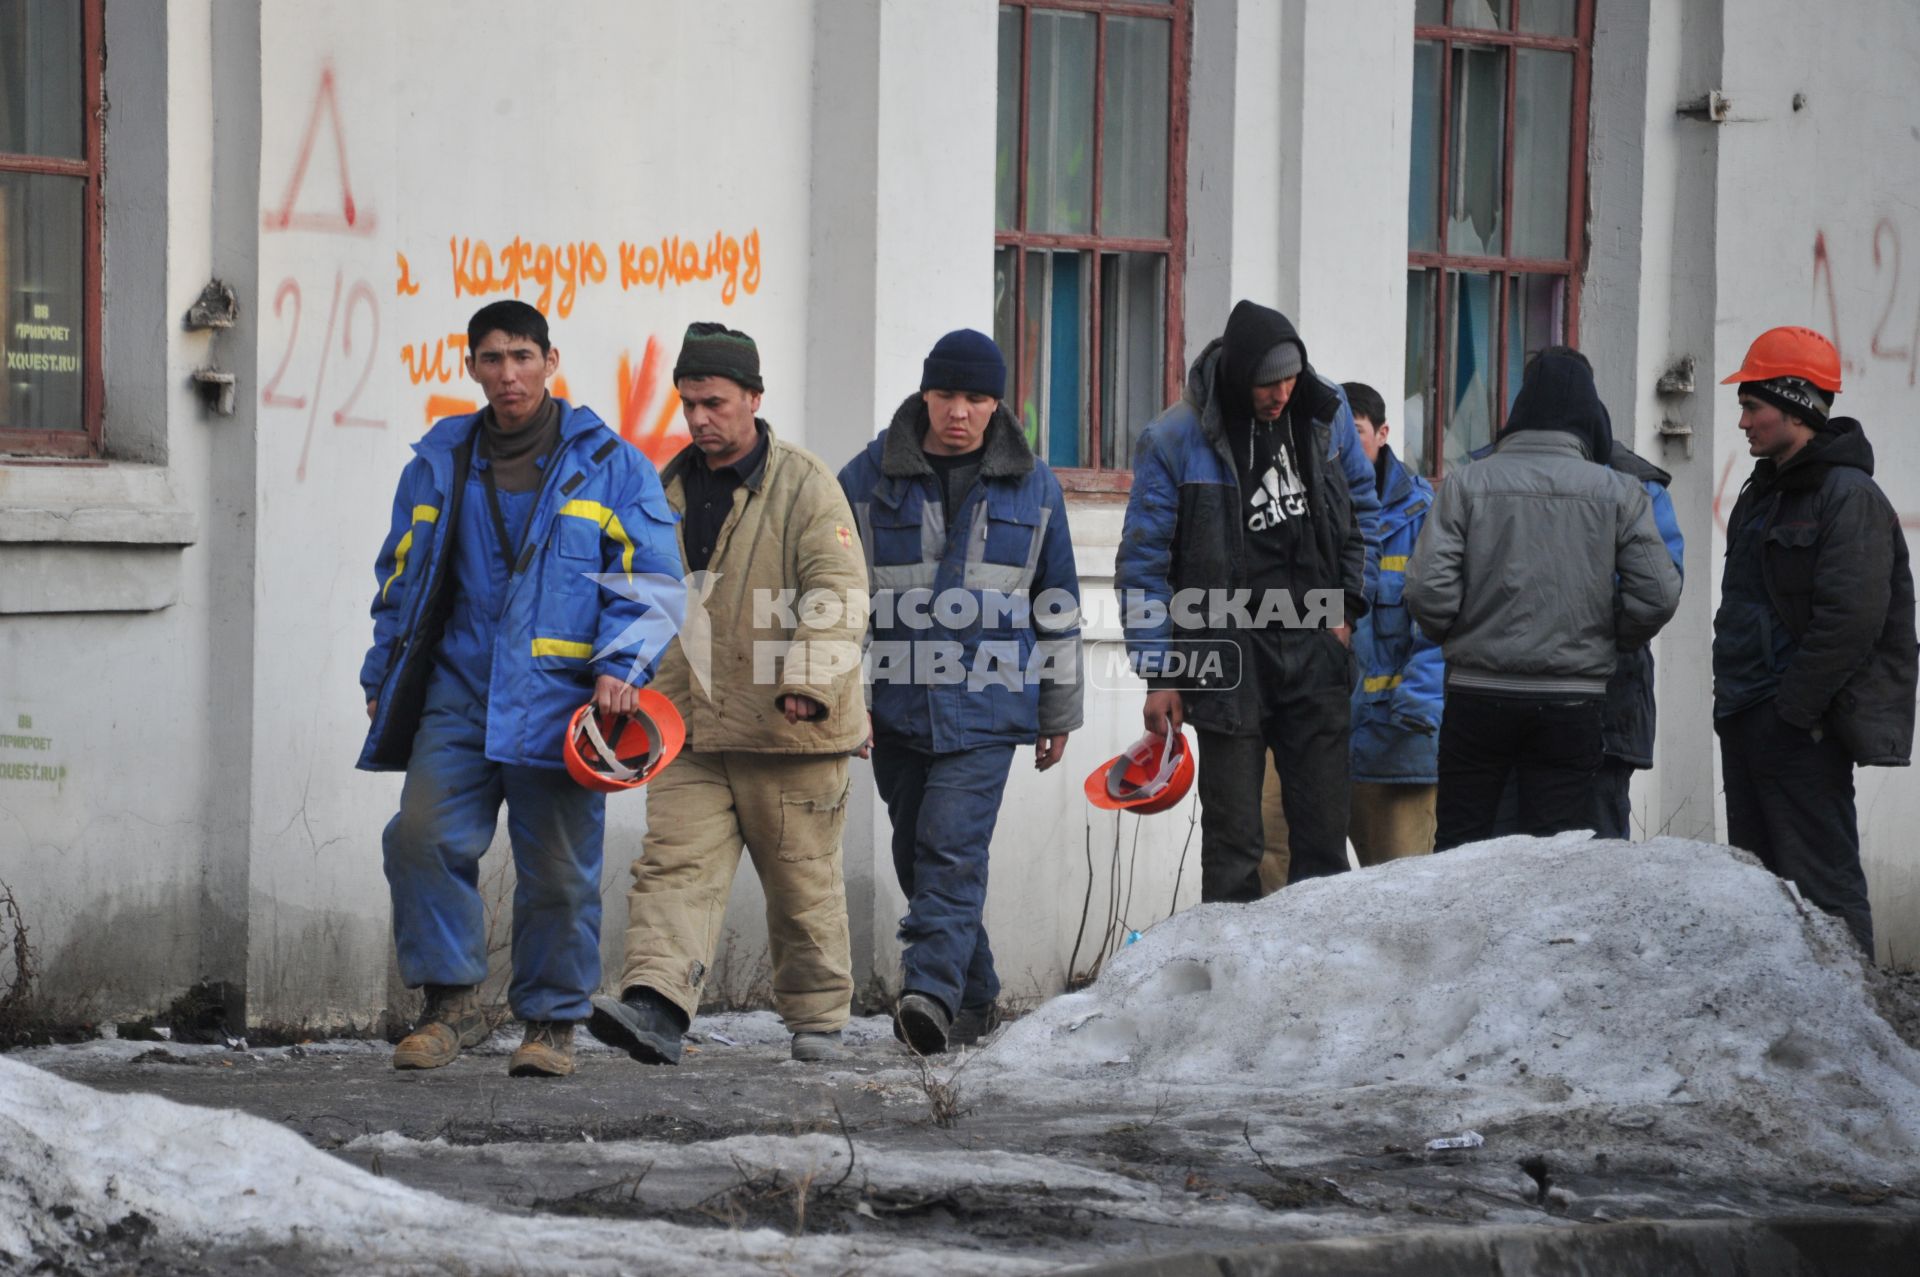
pixel 453 1018
pixel 546 1052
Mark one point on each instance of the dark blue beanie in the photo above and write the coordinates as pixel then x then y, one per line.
pixel 966 360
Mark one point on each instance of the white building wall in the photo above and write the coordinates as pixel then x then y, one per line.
pixel 837 167
pixel 1819 187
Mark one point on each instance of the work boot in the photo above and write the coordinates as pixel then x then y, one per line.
pixel 973 1023
pixel 546 1051
pixel 452 1018
pixel 817 1048
pixel 921 1022
pixel 642 1023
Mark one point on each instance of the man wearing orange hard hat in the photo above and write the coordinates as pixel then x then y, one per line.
pixel 1814 658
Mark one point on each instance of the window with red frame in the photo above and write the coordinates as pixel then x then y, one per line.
pixel 1495 210
pixel 1089 217
pixel 50 227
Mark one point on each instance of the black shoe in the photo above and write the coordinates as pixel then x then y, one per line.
pixel 642 1023
pixel 973 1023
pixel 921 1022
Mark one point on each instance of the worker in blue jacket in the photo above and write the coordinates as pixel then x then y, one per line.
pixel 975 651
pixel 1396 707
pixel 489 631
pixel 1243 563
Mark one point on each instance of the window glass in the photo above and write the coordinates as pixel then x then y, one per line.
pixel 1481 15
pixel 1429 13
pixel 1133 325
pixel 42 107
pixel 42 301
pixel 1536 319
pixel 1423 189
pixel 1054 402
pixel 1542 140
pixel 1477 134
pixel 1006 156
pixel 1472 378
pixel 1416 413
pixel 1133 174
pixel 1547 17
pixel 1060 123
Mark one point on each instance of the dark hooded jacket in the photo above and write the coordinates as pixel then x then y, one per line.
pixel 1834 576
pixel 1536 566
pixel 1183 527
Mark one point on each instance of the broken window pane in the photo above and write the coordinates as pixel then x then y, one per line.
pixel 1476 133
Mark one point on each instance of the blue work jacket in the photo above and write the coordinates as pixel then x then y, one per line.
pixel 600 510
pixel 981 603
pixel 1396 707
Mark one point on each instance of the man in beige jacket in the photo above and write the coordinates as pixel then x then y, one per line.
pixel 767 676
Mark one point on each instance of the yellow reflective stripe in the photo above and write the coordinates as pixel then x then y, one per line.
pixel 1393 563
pixel 421 514
pixel 562 647
pixel 1382 682
pixel 608 522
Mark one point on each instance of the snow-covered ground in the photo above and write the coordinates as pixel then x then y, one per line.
pixel 1668 999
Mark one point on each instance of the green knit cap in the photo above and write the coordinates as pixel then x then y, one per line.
pixel 715 350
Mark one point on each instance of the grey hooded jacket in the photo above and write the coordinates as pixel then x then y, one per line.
pixel 1515 572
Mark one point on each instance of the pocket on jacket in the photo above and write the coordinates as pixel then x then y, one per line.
pixel 810 825
pixel 578 539
pixel 1790 550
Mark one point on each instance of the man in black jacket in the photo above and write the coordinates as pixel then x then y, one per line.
pixel 1814 658
pixel 1243 541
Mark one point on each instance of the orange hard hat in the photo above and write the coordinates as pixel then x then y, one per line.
pixel 1791 352
pixel 610 753
pixel 1155 773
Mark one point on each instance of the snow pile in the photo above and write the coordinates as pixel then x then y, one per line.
pixel 1505 980
pixel 74 1162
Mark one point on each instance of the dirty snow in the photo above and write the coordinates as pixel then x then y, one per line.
pixel 1668 999
pixel 227 1178
pixel 1668 980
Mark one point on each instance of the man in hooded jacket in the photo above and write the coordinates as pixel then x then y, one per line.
pixel 1814 658
pixel 1242 566
pixel 1535 568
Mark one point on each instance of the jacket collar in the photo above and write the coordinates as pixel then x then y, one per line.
pixel 1007 455
pixel 1555 441
pixel 1842 443
pixel 450 432
pixel 688 456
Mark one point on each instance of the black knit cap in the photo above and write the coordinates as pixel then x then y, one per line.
pixel 965 360
pixel 1795 396
pixel 715 350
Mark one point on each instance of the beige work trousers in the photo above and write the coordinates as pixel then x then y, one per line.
pixel 788 811
pixel 1384 822
pixel 1387 822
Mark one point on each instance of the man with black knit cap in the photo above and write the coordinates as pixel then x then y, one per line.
pixel 976 651
pixel 1241 569
pixel 1814 658
pixel 766 677
pixel 1536 567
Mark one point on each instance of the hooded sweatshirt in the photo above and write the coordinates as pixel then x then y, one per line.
pixel 1558 394
pixel 1280 547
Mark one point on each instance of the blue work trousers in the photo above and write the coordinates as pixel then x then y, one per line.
pixel 943 808
pixel 449 809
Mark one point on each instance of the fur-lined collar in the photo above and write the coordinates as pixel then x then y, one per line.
pixel 1007 455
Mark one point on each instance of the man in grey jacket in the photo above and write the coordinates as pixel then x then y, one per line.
pixel 1535 567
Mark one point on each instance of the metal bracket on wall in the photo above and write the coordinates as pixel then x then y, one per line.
pixel 1676 383
pixel 216 389
pixel 1715 107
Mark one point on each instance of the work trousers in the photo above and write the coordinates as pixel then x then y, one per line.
pixel 1388 822
pixel 943 808
pixel 1549 748
pixel 1612 803
pixel 449 809
pixel 788 811
pixel 1790 802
